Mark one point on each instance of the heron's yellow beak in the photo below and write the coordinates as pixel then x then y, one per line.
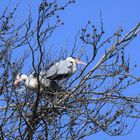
pixel 17 81
pixel 80 62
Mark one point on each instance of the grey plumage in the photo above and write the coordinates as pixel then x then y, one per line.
pixel 59 70
pixel 51 85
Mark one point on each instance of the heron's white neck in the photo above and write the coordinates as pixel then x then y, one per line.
pixel 30 81
pixel 73 61
pixel 25 78
pixel 74 67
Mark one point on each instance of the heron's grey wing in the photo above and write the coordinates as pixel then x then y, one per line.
pixel 60 68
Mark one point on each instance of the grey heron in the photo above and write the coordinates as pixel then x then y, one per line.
pixel 31 82
pixel 62 69
pixel 46 86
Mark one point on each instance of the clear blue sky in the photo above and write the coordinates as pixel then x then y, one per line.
pixel 116 13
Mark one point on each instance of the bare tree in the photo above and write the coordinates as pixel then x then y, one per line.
pixel 93 100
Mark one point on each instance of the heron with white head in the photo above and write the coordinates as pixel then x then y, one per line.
pixel 31 81
pixel 63 69
pixel 46 85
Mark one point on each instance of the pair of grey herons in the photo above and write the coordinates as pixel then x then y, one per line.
pixel 60 70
